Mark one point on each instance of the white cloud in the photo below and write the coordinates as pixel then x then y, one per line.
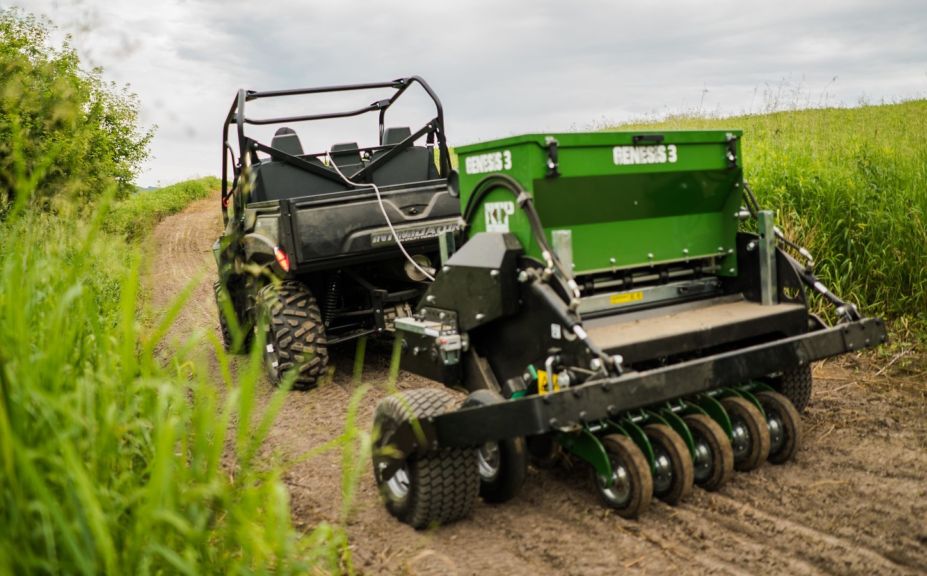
pixel 499 67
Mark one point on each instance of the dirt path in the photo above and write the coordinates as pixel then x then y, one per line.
pixel 853 502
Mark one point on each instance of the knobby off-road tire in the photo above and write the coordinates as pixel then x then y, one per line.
pixel 429 490
pixel 295 334
pixel 795 384
pixel 221 297
pixel 228 340
pixel 503 464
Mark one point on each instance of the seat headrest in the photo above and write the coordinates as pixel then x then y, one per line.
pixel 286 140
pixel 396 135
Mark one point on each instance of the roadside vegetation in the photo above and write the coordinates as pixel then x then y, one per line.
pixel 115 459
pixel 850 184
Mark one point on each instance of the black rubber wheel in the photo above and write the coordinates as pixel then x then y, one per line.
pixel 632 485
pixel 543 451
pixel 295 334
pixel 228 339
pixel 221 298
pixel 435 489
pixel 785 429
pixel 795 384
pixel 714 457
pixel 503 464
pixel 750 441
pixel 673 471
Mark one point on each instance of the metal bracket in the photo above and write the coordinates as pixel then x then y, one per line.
pixel 768 280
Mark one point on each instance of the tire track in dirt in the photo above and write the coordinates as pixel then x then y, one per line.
pixel 853 502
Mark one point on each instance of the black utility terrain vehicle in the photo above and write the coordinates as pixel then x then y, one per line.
pixel 330 245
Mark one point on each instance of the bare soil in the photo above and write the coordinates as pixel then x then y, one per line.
pixel 854 500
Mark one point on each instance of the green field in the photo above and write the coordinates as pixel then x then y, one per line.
pixel 851 185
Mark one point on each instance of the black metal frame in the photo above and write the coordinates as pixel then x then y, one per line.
pixel 605 397
pixel 247 145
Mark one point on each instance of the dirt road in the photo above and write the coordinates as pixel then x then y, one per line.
pixel 854 501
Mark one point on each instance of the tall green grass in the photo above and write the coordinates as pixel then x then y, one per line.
pixel 114 460
pixel 851 185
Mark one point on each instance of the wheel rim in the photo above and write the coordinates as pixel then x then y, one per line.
pixel 662 471
pixel 703 460
pixel 488 459
pixel 776 430
pixel 398 484
pixel 619 492
pixel 740 438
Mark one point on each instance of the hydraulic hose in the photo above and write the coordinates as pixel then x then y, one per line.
pixel 509 184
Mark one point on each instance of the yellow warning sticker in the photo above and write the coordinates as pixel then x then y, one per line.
pixel 626 297
pixel 542 383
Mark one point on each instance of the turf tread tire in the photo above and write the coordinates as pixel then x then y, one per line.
pixel 796 384
pixel 444 484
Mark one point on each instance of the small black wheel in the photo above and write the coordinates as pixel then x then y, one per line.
pixel 503 464
pixel 785 429
pixel 295 334
pixel 714 457
pixel 543 451
pixel 795 384
pixel 631 487
pixel 673 472
pixel 429 490
pixel 749 435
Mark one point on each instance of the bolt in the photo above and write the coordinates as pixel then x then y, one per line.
pixel 553 422
pixel 430 299
pixel 493 273
pixel 685 250
pixel 582 415
pixel 446 269
pixel 595 364
pixel 612 260
pixel 730 270
pixel 522 276
pixel 480 316
pixel 650 255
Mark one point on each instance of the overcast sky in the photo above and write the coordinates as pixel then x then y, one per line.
pixel 500 68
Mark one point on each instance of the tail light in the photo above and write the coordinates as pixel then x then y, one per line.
pixel 282 259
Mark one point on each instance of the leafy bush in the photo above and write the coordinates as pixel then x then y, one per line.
pixel 74 133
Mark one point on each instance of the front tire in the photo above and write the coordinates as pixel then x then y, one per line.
pixel 295 334
pixel 437 488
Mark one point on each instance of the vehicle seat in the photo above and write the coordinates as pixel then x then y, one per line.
pixel 276 180
pixel 347 157
pixel 286 140
pixel 414 164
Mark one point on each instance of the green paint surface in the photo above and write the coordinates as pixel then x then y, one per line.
pixel 627 205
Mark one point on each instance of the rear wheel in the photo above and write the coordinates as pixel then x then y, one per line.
pixel 784 424
pixel 795 384
pixel 429 490
pixel 673 472
pixel 631 488
pixel 714 457
pixel 295 334
pixel 503 464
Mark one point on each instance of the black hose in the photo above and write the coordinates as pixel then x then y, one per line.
pixel 494 181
